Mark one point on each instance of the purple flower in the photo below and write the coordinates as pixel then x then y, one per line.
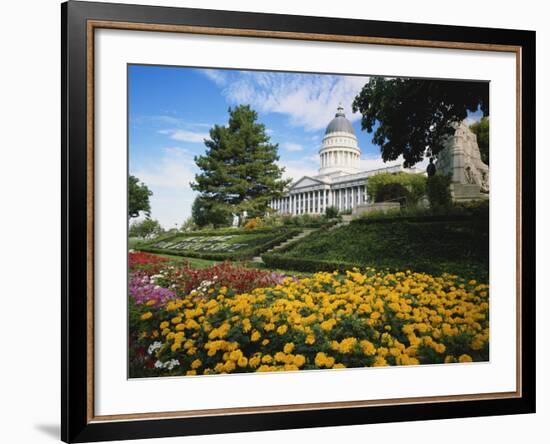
pixel 142 290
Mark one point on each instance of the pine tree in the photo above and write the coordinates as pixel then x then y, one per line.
pixel 239 170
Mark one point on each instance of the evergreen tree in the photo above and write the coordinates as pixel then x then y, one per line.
pixel 239 170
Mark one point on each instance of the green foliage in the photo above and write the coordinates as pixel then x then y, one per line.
pixel 413 114
pixel 392 192
pixel 145 229
pixel 481 130
pixel 415 185
pixel 439 191
pixel 331 213
pixel 209 212
pixel 138 197
pixel 438 244
pixel 239 170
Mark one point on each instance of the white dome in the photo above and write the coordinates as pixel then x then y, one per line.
pixel 340 150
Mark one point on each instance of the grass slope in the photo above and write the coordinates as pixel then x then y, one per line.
pixel 457 245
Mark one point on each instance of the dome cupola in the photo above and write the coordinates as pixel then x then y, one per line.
pixel 340 150
pixel 340 124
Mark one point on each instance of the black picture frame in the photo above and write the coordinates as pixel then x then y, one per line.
pixel 77 319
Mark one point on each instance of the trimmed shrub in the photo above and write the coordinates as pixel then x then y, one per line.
pixel 331 213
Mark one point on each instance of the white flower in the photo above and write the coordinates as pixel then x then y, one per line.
pixel 154 347
pixel 171 364
pixel 159 364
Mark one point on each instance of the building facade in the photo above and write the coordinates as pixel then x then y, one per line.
pixel 340 182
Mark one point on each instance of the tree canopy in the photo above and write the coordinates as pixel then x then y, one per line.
pixel 481 130
pixel 415 184
pixel 208 211
pixel 412 117
pixel 138 197
pixel 239 170
pixel 145 229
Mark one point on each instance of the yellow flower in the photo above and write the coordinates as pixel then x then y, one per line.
pixel 282 329
pixel 146 316
pixel 328 324
pixel 191 373
pixel 310 339
pixel 368 348
pixel 465 358
pixel 243 361
pixel 176 320
pixel 254 361
pixel 196 364
pixel 164 324
pixel 321 359
pixel 255 336
pixel 289 347
pixel 299 360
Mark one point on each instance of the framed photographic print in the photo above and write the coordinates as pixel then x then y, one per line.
pixel 275 221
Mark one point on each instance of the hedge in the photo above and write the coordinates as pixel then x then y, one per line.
pixel 283 262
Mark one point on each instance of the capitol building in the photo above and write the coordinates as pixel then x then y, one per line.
pixel 340 182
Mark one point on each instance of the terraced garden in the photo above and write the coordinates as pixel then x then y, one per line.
pixel 221 245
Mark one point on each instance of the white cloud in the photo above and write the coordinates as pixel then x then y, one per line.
pixel 217 76
pixel 296 169
pixel 293 147
pixel 309 100
pixel 168 178
pixel 185 136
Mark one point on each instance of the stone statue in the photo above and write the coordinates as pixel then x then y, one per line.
pixel 235 222
pixel 430 169
pixel 460 159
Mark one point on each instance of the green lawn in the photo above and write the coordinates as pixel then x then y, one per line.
pixel 193 262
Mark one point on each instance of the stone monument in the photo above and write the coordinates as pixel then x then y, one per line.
pixel 460 159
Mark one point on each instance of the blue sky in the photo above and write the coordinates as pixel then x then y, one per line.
pixel 171 110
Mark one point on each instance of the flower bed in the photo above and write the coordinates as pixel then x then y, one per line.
pixel 331 320
pixel 239 246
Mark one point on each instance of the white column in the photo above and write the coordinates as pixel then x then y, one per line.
pixel 345 199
